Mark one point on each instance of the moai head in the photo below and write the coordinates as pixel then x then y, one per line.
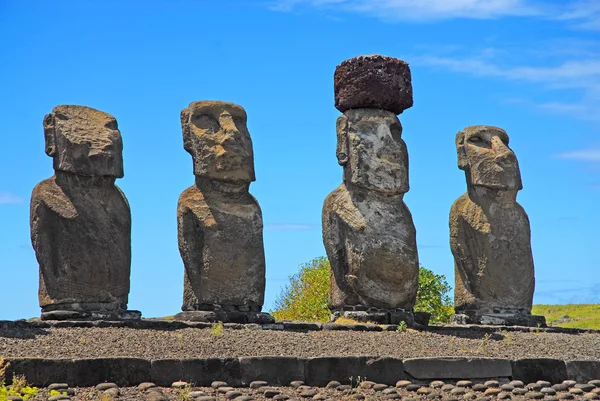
pixel 371 150
pixel 371 91
pixel 216 136
pixel 484 155
pixel 84 141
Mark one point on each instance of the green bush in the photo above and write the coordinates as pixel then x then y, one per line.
pixel 432 296
pixel 305 297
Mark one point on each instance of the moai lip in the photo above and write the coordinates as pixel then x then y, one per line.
pixel 373 81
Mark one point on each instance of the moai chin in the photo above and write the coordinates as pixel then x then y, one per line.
pixel 490 236
pixel 220 225
pixel 80 220
pixel 368 232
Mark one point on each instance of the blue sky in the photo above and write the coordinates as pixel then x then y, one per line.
pixel 531 67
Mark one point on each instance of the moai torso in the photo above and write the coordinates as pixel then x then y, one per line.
pixel 219 222
pixel 81 235
pixel 368 232
pixel 489 230
pixel 221 242
pixel 378 273
pixel 80 220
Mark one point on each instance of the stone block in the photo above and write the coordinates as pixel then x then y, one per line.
pixel 164 372
pixel 122 371
pixel 457 368
pixel 275 370
pixel 41 372
pixel 583 371
pixel 320 371
pixel 301 326
pixel 532 370
pixel 200 372
pixel 386 370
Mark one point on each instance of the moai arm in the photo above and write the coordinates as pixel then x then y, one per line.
pixel 191 245
pixel 41 240
pixel 463 245
pixel 339 218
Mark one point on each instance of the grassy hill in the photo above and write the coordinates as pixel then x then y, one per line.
pixel 581 316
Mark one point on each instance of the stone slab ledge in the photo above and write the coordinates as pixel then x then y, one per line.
pixel 165 324
pixel 281 370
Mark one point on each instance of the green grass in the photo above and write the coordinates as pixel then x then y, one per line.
pixel 587 316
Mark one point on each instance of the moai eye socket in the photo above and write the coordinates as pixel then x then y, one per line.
pixel 205 122
pixel 475 139
pixel 111 124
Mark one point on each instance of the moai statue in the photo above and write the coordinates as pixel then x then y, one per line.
pixel 489 234
pixel 368 232
pixel 80 220
pixel 219 223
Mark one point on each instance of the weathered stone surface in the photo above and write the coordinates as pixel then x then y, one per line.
pixel 373 81
pixel 122 371
pixel 273 370
pixel 201 372
pixel 531 370
pixel 583 371
pixel 219 222
pixel 489 231
pixel 368 231
pixel 222 316
pixel 40 371
pixel 80 220
pixel 457 368
pixel 320 371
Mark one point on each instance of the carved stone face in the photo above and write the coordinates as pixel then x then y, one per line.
pixel 216 136
pixel 84 141
pixel 484 155
pixel 371 150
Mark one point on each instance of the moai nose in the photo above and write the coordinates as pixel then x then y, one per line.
pixel 227 123
pixel 502 152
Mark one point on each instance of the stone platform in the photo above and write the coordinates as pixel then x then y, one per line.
pixel 365 314
pixel 224 317
pixel 112 311
pixel 500 318
pixel 92 315
pixel 281 370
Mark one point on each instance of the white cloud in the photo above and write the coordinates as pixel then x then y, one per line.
pixel 290 227
pixel 569 74
pixel 583 14
pixel 421 10
pixel 8 199
pixel 580 14
pixel 583 155
pixel 582 75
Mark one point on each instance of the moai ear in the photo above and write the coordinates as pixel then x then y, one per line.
pixel 49 134
pixel 461 150
pixel 185 129
pixel 342 140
